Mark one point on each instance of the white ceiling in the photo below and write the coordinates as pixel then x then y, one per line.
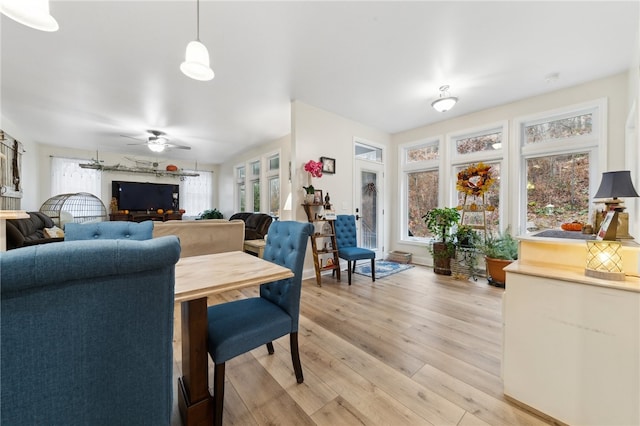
pixel 113 67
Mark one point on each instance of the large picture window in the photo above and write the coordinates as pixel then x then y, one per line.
pixel 561 154
pixel 420 164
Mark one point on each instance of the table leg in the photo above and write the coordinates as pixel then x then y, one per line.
pixel 194 400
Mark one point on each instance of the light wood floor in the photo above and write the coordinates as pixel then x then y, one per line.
pixel 413 348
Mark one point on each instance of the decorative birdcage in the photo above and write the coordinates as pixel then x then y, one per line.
pixel 77 208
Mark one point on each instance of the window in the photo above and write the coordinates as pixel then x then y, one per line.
pixel 241 203
pixel 484 142
pixel 490 210
pixel 274 196
pixel 422 196
pixel 482 145
pixel 196 192
pixel 569 127
pixel 420 163
pixel 367 152
pixel 560 153
pixel 557 190
pixel 67 177
pixel 273 180
pixel 258 185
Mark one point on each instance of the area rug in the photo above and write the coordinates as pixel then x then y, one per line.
pixel 383 268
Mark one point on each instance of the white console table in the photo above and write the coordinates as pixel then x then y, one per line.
pixel 571 343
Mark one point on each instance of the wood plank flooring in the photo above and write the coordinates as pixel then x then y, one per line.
pixel 413 348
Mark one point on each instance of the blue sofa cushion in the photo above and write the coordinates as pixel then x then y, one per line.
pixel 109 230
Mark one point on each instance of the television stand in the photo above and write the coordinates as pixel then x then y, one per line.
pixel 142 216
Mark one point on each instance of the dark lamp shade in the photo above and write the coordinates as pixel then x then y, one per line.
pixel 616 184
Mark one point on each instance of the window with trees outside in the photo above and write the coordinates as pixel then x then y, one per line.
pixel 273 179
pixel 254 167
pixel 474 147
pixel 241 203
pixel 560 157
pixel 419 163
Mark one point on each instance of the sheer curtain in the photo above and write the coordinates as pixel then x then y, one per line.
pixel 67 177
pixel 196 192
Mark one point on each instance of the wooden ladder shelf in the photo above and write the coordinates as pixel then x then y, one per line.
pixel 323 243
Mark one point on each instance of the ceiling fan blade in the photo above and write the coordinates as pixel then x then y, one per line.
pixel 138 144
pixel 169 145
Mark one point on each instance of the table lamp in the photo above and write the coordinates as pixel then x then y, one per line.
pixel 604 260
pixel 613 185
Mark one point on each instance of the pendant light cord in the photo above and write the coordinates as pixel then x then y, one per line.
pixel 198 20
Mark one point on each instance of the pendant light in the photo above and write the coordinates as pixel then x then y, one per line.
pixel 445 102
pixel 32 13
pixel 196 58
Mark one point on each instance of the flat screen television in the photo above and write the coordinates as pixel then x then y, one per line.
pixel 144 196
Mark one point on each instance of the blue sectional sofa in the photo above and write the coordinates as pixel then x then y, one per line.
pixel 86 332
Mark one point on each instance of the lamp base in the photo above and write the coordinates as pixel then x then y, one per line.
pixel 622 231
pixel 604 275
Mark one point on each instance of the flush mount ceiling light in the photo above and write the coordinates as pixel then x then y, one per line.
pixel 32 13
pixel 445 102
pixel 196 58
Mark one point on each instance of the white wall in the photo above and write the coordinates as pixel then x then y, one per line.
pixel 614 88
pixel 318 133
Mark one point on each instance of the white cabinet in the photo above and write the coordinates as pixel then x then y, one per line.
pixel 571 343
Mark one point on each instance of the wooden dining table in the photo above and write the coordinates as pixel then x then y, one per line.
pixel 196 278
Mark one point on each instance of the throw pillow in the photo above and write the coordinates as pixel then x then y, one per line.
pixel 54 232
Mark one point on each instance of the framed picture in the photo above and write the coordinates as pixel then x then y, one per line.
pixel 317 196
pixel 328 165
pixel 608 229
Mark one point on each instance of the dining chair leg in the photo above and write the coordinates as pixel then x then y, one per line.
pixel 218 396
pixel 270 348
pixel 349 270
pixel 373 270
pixel 295 356
pixel 354 265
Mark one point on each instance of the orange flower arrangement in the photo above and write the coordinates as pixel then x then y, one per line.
pixel 475 179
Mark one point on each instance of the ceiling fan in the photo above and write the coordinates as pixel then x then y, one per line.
pixel 157 141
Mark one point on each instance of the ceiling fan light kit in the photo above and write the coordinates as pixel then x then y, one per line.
pixel 156 147
pixel 445 102
pixel 196 63
pixel 32 13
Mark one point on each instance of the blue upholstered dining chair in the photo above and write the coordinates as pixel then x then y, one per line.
pixel 242 325
pixel 348 245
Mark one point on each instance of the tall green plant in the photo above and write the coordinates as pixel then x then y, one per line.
pixel 503 246
pixel 439 221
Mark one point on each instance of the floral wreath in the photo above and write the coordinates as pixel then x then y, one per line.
pixel 475 179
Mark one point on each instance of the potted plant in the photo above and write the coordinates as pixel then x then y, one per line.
pixel 211 214
pixel 439 221
pixel 464 263
pixel 466 237
pixel 499 251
